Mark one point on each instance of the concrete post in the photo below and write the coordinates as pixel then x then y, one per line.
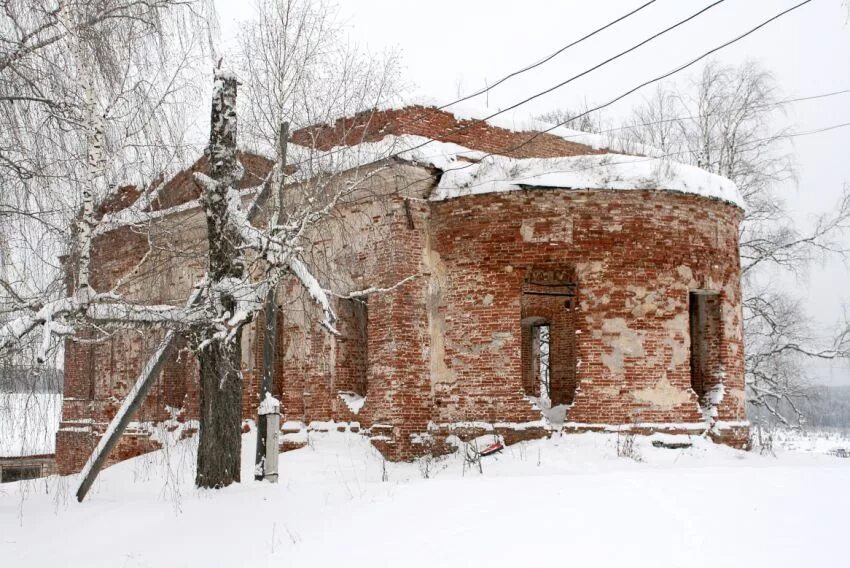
pixel 269 412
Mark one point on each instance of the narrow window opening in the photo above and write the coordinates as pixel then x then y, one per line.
pixel 706 343
pixel 549 335
pixel 535 357
pixel 361 341
pixel 353 347
pixel 542 341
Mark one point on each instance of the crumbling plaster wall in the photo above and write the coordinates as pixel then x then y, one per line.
pixel 376 239
pixel 157 263
pixel 636 255
pixel 444 349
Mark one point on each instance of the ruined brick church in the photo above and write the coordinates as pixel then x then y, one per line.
pixel 490 237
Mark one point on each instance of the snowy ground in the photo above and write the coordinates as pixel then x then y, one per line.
pixel 566 501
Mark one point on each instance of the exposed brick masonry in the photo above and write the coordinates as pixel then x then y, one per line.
pixel 610 271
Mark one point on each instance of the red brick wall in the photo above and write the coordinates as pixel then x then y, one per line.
pixel 399 390
pixel 77 446
pixel 636 255
pixel 446 348
pixel 430 122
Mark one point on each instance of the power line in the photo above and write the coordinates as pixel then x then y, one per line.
pixel 649 82
pixel 620 97
pixel 816 131
pixel 595 67
pixel 607 61
pixel 693 116
pixel 547 58
pixel 680 152
pixel 539 63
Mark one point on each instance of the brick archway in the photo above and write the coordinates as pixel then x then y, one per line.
pixel 548 299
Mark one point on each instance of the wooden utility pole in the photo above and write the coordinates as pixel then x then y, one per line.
pixel 270 336
pixel 128 409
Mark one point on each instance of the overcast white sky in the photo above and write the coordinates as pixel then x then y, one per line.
pixel 452 47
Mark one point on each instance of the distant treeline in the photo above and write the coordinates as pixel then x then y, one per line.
pixel 823 407
pixel 20 379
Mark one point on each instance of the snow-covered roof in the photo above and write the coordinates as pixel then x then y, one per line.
pixel 473 163
pixel 471 172
pixel 605 171
pixel 421 132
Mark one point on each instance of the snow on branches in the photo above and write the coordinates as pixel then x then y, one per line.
pixel 62 317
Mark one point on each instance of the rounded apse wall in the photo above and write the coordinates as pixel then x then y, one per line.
pixel 621 267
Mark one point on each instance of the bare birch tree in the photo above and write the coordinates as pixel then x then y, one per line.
pixel 298 67
pixel 93 98
pixel 80 81
pixel 245 261
pixel 298 71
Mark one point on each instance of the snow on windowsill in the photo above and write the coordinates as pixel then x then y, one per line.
pixel 352 400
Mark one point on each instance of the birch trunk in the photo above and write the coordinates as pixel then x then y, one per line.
pixel 220 435
pixel 95 173
pixel 220 358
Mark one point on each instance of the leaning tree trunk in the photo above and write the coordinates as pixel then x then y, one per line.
pixel 220 441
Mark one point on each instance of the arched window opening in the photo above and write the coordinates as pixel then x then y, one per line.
pixel 541 339
pixel 548 327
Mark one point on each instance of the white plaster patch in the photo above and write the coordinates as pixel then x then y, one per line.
pixel 558 229
pixel 739 396
pixel 584 269
pixel 643 302
pixel 687 275
pixel 677 339
pixel 499 340
pixel 663 395
pixel 440 372
pixel 624 342
pixel 527 231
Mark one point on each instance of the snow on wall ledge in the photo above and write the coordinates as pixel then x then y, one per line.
pixel 605 171
pixel 471 172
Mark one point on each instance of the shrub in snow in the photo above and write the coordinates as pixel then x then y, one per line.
pixel 626 447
